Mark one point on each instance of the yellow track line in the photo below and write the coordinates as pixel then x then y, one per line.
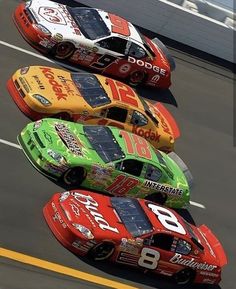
pixel 61 269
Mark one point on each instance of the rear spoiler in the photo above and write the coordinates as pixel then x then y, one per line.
pixel 170 119
pixel 215 244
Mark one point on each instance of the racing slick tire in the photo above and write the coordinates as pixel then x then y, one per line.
pixel 159 198
pixel 184 277
pixel 166 52
pixel 136 78
pixel 63 50
pixel 63 116
pixel 74 176
pixel 101 251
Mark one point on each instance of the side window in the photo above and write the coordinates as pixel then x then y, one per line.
pixel 132 167
pixel 117 113
pixel 162 241
pixel 136 51
pixel 114 44
pixel 138 118
pixel 183 247
pixel 153 173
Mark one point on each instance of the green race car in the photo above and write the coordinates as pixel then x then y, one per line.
pixel 105 159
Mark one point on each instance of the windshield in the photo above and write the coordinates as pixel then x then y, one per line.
pixel 90 22
pixel 132 216
pixel 90 89
pixel 104 143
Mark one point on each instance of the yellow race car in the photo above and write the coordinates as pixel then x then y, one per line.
pixel 41 91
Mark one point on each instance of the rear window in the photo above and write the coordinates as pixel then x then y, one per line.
pixel 104 143
pixel 90 89
pixel 90 22
pixel 132 216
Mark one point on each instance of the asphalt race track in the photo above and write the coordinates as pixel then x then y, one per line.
pixel 201 100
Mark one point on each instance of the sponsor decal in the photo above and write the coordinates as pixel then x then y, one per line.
pixel 40 84
pixel 177 259
pixel 69 139
pixel 54 169
pixel 147 65
pixel 47 136
pixel 57 37
pixel 155 78
pixel 68 85
pixel 49 74
pixel 125 68
pixel 92 206
pixel 70 20
pixel 147 134
pixel 52 15
pixel 130 245
pixel 163 188
pixel 57 216
pixel 162 122
pixel 210 274
pixel 75 209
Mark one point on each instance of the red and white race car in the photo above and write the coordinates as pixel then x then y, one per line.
pixel 95 39
pixel 135 232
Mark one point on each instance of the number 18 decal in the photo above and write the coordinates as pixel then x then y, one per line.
pixel 149 258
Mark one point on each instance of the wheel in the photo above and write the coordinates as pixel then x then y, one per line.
pixel 159 198
pixel 102 251
pixel 74 176
pixel 184 277
pixel 63 50
pixel 62 115
pixel 137 77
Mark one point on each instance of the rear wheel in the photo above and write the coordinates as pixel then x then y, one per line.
pixel 184 277
pixel 74 176
pixel 102 251
pixel 137 77
pixel 63 50
pixel 159 198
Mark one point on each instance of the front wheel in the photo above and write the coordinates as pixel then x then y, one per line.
pixel 184 277
pixel 74 176
pixel 137 77
pixel 159 198
pixel 63 50
pixel 102 251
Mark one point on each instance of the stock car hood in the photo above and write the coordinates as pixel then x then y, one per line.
pixel 66 138
pixel 93 211
pixel 55 85
pixel 56 18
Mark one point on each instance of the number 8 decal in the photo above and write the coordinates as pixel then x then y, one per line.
pixel 149 258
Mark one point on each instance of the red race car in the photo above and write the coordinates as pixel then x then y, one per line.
pixel 95 39
pixel 135 232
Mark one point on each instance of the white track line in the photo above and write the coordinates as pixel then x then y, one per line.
pixel 10 143
pixel 197 205
pixel 69 67
pixel 38 56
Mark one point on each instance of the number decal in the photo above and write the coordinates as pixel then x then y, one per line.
pixel 149 258
pixel 167 219
pixel 119 25
pixel 140 145
pixel 122 185
pixel 104 61
pixel 122 92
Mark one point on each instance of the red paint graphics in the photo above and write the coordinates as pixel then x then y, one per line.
pixel 49 74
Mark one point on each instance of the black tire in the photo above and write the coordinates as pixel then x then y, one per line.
pixel 159 198
pixel 63 50
pixel 63 116
pixel 74 176
pixel 137 78
pixel 184 277
pixel 102 251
